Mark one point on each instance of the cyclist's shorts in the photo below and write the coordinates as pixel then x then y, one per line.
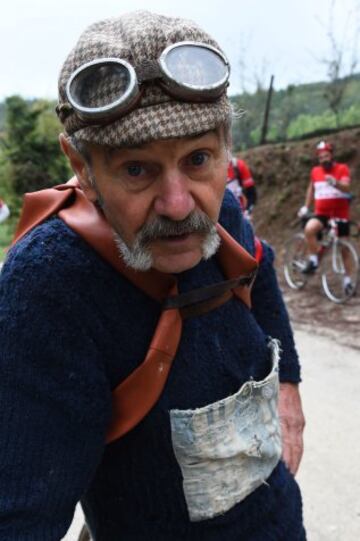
pixel 342 225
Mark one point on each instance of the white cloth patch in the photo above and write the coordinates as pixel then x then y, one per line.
pixel 229 448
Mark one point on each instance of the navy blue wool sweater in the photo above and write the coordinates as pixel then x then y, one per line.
pixel 71 328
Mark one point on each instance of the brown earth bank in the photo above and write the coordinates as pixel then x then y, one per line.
pixel 281 173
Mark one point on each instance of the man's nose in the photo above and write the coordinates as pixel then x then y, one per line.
pixel 174 199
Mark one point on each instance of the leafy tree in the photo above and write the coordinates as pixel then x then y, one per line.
pixel 340 61
pixel 30 146
pixel 310 123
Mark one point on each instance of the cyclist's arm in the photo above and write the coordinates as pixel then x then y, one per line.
pixel 309 197
pixel 343 183
pixel 343 186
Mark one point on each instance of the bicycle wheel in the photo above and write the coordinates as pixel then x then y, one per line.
pixel 341 254
pixel 295 261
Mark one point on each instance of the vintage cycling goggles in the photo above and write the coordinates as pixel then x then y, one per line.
pixel 108 88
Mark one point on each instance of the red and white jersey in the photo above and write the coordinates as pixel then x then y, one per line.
pixel 329 201
pixel 236 184
pixel 245 174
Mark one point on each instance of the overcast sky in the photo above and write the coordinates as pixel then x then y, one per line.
pixel 282 37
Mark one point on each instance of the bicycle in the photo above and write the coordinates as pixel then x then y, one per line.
pixel 331 262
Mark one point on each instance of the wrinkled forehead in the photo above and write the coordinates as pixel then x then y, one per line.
pixel 161 147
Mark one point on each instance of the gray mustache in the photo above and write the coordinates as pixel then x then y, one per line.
pixel 165 227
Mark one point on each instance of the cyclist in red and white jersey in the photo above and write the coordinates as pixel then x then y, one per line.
pixel 329 189
pixel 242 185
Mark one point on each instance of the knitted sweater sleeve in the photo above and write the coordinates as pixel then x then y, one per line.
pixel 268 305
pixel 271 314
pixel 54 397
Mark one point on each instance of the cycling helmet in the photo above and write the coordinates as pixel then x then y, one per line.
pixel 324 146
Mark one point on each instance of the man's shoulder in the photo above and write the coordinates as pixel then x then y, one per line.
pixel 232 219
pixel 342 168
pixel 243 166
pixel 230 210
pixel 50 248
pixel 317 171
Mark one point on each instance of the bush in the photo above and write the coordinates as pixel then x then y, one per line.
pixel 31 158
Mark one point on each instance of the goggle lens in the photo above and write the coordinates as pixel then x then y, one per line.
pixel 100 85
pixel 105 88
pixel 195 66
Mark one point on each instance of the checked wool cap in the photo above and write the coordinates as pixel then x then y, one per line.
pixel 136 37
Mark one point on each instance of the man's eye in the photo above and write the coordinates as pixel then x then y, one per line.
pixel 198 158
pixel 134 170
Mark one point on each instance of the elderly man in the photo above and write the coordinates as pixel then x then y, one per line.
pixel 140 351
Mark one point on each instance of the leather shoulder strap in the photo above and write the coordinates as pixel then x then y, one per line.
pixel 134 397
pixel 89 222
pixel 235 261
pixel 259 250
pixel 72 206
pixel 39 206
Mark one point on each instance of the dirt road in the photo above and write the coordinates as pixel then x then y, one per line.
pixel 330 471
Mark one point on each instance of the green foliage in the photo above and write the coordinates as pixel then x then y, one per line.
pixel 351 116
pixel 295 111
pixel 31 146
pixel 309 123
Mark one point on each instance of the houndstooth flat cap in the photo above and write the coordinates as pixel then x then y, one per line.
pixel 136 37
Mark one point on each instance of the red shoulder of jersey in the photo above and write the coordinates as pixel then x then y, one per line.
pixel 245 172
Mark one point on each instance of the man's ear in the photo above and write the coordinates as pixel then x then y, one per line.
pixel 79 166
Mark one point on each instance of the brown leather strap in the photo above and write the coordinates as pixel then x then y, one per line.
pixel 199 309
pixel 136 395
pixel 206 293
pixel 72 206
pixel 89 222
pixel 38 206
pixel 235 261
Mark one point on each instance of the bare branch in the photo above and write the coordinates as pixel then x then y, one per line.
pixel 341 59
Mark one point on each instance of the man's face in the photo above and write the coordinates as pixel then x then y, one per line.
pixel 324 157
pixel 162 198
